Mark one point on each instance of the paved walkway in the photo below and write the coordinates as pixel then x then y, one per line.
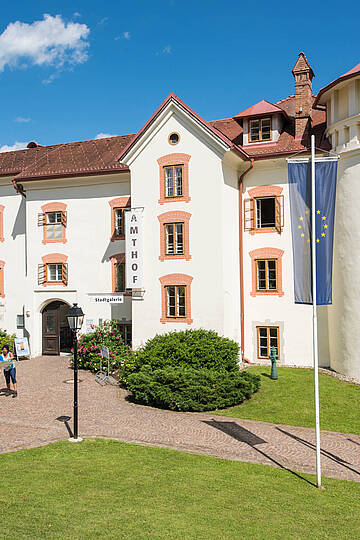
pixel 32 420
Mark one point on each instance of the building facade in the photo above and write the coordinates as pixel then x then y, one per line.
pixel 217 249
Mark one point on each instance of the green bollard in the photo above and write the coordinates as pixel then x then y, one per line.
pixel 273 357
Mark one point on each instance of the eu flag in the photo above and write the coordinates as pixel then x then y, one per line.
pixel 299 173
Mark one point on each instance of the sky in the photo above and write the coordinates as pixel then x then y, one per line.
pixel 81 69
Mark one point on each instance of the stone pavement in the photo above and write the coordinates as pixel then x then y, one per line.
pixel 31 420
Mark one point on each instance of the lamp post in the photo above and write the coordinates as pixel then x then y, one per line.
pixel 75 319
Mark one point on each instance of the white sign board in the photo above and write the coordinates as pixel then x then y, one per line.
pixel 22 347
pixel 105 352
pixel 133 248
pixel 89 326
pixel 107 299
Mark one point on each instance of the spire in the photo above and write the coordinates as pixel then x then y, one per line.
pixel 303 75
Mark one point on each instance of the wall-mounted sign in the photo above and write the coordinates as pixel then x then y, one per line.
pixel 106 299
pixel 133 248
pixel 22 347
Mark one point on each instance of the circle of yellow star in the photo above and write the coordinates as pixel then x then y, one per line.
pixel 299 227
pixel 301 218
pixel 325 226
pixel 318 212
pixel 317 240
pixel 323 218
pixel 323 234
pixel 302 234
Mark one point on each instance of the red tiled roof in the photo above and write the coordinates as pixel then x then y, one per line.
pixel 263 107
pixel 69 159
pixel 348 75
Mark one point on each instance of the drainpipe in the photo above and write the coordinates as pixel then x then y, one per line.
pixel 242 260
pixel 19 188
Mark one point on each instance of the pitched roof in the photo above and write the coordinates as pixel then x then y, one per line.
pixel 263 107
pixel 302 64
pixel 348 75
pixel 61 160
pixel 208 125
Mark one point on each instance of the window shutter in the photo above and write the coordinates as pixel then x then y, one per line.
pixel 279 213
pixel 41 219
pixel 64 273
pixel 41 274
pixel 249 214
pixel 63 218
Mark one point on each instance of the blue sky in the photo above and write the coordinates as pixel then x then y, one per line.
pixel 104 67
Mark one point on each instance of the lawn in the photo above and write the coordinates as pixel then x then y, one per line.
pixel 290 400
pixel 108 489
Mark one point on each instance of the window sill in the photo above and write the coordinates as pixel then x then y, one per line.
pixel 266 230
pixel 267 293
pixel 174 199
pixel 186 320
pixel 115 238
pixel 55 241
pixel 54 284
pixel 176 256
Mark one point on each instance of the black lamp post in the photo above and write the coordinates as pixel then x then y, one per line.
pixel 75 319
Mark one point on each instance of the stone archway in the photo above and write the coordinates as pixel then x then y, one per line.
pixel 56 334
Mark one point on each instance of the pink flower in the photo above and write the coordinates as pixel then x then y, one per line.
pixel 117 337
pixel 99 354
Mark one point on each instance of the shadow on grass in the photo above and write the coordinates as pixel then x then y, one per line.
pixel 266 375
pixel 243 435
pixel 66 419
pixel 324 453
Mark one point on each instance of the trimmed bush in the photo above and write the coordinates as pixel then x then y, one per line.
pixel 189 348
pixel 105 335
pixel 189 389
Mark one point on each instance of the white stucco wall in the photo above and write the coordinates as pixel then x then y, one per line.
pixel 88 248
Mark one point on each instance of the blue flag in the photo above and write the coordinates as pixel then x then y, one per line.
pixel 300 207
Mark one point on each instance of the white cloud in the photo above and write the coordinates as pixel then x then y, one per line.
pixel 167 49
pixel 127 35
pixel 103 20
pixel 16 146
pixel 22 119
pixel 49 41
pixel 104 135
pixel 77 14
pixel 51 78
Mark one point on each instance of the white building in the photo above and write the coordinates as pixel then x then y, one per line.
pixel 217 250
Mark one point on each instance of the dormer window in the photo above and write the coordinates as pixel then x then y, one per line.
pixel 260 130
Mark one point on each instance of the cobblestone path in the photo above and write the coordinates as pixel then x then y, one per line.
pixel 32 420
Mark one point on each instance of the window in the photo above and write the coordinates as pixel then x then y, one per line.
pixel 118 207
pixel 120 277
pixel 174 235
pixel 174 138
pixel 266 268
pixel 264 210
pixel 126 333
pixel 54 270
pixel 173 181
pixel 174 238
pixel 53 220
pixel 267 337
pixel 174 178
pixel 176 298
pixel 260 130
pixel 266 275
pixel 175 301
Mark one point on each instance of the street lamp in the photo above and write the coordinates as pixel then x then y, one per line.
pixel 75 319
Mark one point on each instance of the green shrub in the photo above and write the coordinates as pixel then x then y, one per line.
pixel 189 348
pixel 6 339
pixel 189 389
pixel 108 335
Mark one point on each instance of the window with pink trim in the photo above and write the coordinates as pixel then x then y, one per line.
pixel 174 235
pixel 2 288
pixel 266 269
pixel 174 178
pixel 176 298
pixel 53 270
pixel 53 220
pixel 2 208
pixel 264 210
pixel 117 207
pixel 118 273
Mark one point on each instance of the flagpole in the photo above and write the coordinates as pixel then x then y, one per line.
pixel 315 328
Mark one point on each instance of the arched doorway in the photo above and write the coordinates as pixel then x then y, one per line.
pixel 56 334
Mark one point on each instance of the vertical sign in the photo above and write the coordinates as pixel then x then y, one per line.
pixel 133 245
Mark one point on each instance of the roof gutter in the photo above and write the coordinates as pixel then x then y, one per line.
pixel 19 188
pixel 241 253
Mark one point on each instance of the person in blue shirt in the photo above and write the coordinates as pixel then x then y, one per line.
pixel 10 372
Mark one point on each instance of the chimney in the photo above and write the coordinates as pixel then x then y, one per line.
pixel 303 75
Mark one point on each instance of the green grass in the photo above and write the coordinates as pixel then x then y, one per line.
pixel 290 400
pixel 107 489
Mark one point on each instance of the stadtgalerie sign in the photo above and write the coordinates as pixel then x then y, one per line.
pixel 133 247
pixel 106 299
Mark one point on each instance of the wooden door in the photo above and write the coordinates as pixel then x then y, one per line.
pixel 51 329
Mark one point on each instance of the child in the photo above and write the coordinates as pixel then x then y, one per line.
pixel 10 372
